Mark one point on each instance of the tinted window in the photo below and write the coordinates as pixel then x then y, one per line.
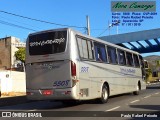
pixel 79 40
pixel 85 48
pixel 136 61
pixel 142 66
pixel 90 50
pixel 141 61
pixel 47 43
pixel 121 57
pixel 112 56
pixel 100 52
pixel 129 59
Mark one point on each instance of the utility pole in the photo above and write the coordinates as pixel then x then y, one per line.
pixel 88 25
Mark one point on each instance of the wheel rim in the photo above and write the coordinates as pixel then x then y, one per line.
pixel 137 87
pixel 104 94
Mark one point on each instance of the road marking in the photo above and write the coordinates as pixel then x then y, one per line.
pixel 156 93
pixel 147 96
pixel 113 108
pixel 134 101
pixel 31 110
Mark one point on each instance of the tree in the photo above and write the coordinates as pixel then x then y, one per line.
pixel 20 54
pixel 148 73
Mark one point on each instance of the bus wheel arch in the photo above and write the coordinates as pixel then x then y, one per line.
pixel 138 88
pixel 106 83
pixel 105 91
pixel 139 84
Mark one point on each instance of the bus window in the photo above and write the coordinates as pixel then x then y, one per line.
pixel 121 57
pixel 90 50
pixel 79 40
pixel 47 43
pixel 85 48
pixel 112 56
pixel 142 67
pixel 141 61
pixel 136 61
pixel 129 59
pixel 100 52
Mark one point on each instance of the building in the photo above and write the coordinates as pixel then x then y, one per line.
pixel 8 47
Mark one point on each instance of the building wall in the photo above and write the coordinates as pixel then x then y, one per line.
pixel 5 53
pixel 18 81
pixel 12 82
pixel 8 47
pixel 14 41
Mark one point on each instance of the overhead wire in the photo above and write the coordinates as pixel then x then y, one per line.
pixel 103 32
pixel 14 25
pixel 43 21
pixel 19 22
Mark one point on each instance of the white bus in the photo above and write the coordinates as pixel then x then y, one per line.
pixel 63 64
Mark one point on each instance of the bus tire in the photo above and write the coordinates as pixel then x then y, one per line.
pixel 104 94
pixel 137 91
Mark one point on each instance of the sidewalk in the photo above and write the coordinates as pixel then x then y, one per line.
pixel 12 99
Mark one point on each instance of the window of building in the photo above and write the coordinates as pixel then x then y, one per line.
pixel 100 52
pixel 129 59
pixel 121 57
pixel 112 56
pixel 136 61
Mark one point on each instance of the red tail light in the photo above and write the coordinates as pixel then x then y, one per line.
pixel 47 92
pixel 73 68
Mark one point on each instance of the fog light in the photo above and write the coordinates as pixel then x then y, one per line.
pixel 29 93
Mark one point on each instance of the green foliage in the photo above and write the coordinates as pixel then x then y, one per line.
pixel 20 54
pixel 157 62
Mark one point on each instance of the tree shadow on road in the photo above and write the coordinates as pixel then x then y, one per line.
pixel 148 107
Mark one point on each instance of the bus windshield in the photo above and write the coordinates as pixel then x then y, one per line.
pixel 47 43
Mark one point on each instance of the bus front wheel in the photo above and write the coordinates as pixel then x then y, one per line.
pixel 104 94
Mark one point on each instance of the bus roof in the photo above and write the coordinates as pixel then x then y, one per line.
pixel 86 36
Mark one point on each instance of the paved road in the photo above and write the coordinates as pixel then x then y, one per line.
pixel 126 106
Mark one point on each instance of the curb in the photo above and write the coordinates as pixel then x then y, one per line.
pixel 7 101
pixel 152 83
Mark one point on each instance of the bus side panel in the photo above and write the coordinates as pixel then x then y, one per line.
pixel 100 73
pixel 84 81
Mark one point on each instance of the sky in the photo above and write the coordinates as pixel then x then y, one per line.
pixel 64 12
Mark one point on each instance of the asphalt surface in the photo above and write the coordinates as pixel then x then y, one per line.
pixel 126 106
